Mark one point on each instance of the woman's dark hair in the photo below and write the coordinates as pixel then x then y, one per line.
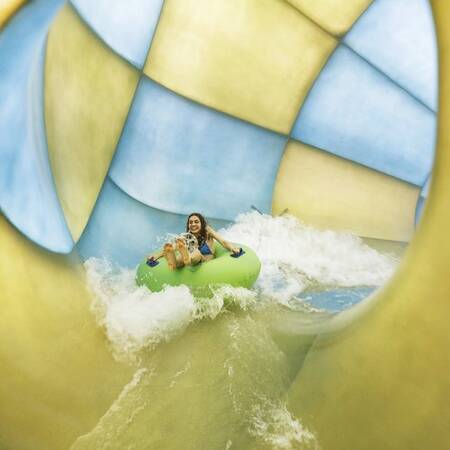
pixel 203 235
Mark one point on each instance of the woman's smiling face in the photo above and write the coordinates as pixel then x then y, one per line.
pixel 194 224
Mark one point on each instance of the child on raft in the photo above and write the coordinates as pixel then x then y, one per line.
pixel 193 253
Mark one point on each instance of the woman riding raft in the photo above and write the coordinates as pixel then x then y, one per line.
pixel 195 246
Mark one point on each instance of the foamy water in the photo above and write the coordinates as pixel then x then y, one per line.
pixel 295 258
pixel 134 317
pixel 274 425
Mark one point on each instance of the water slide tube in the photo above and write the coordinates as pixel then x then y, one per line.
pixel 332 116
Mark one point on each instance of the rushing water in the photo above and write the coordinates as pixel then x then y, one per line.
pixel 213 373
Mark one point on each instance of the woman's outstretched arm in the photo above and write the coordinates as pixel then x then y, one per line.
pixel 222 241
pixel 156 255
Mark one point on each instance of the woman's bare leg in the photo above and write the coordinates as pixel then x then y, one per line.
pixel 179 260
pixel 181 246
pixel 191 259
pixel 196 257
pixel 169 254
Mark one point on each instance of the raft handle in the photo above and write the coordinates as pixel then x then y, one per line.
pixel 152 262
pixel 237 255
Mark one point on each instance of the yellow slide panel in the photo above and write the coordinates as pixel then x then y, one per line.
pixel 88 92
pixel 335 16
pixel 253 59
pixel 57 376
pixel 8 8
pixel 330 192
pixel 382 381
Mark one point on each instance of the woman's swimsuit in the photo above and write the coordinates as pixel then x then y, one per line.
pixel 204 249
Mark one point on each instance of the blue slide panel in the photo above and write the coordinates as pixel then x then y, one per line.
pixel 124 230
pixel 356 112
pixel 125 26
pixel 398 37
pixel 27 192
pixel 179 156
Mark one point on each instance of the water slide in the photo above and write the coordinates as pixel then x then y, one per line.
pixel 116 122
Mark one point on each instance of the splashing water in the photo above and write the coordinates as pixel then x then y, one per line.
pixel 276 427
pixel 299 265
pixel 296 257
pixel 135 318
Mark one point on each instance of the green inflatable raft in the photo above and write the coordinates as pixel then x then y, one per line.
pixel 239 271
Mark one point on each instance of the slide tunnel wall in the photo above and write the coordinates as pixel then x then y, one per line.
pixel 265 104
pixel 117 122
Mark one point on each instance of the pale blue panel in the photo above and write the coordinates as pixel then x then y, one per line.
pixel 335 299
pixel 124 230
pixel 179 156
pixel 126 26
pixel 357 113
pixel 398 37
pixel 27 192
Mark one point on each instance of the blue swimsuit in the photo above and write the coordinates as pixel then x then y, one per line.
pixel 204 249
